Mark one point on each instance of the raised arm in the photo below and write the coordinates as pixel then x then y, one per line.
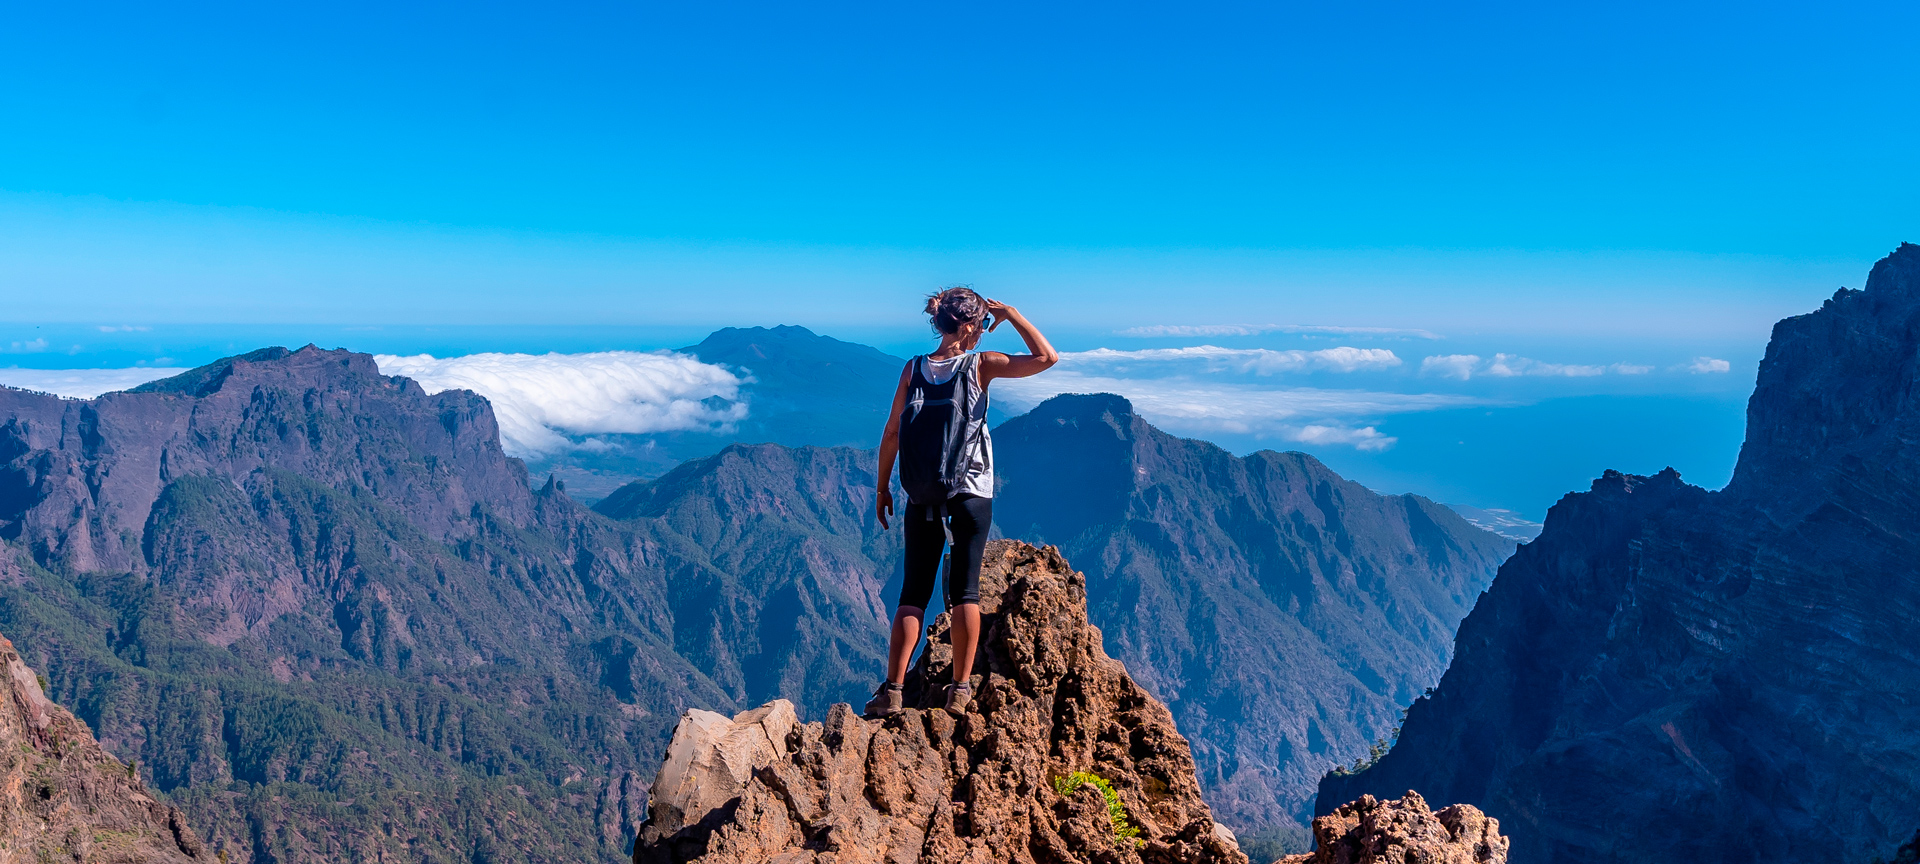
pixel 1040 355
pixel 890 449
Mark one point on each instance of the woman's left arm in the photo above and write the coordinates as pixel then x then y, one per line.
pixel 1040 356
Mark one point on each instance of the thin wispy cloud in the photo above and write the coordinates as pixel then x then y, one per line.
pixel 1514 366
pixel 1255 361
pixel 1708 366
pixel 1309 415
pixel 1463 367
pixel 1457 366
pixel 82 383
pixel 123 328
pixel 1366 438
pixel 539 399
pixel 1206 330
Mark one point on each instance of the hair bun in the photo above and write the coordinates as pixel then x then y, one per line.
pixel 952 307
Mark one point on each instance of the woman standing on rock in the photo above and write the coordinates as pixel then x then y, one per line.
pixel 938 431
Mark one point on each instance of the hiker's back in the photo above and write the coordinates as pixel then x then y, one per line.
pixel 944 448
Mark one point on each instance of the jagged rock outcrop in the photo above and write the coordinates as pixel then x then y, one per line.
pixel 63 798
pixel 1673 674
pixel 928 786
pixel 1370 831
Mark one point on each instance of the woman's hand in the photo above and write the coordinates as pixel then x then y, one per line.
pixel 994 364
pixel 1000 312
pixel 883 505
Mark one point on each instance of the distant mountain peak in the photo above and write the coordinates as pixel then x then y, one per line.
pixel 1084 405
pixel 784 342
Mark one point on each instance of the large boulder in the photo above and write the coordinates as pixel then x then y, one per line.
pixel 1368 831
pixel 1012 779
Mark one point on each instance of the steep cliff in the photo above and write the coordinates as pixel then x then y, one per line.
pixel 63 798
pixel 1671 674
pixel 1009 780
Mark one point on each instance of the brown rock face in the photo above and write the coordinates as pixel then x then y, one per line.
pixel 64 798
pixel 927 786
pixel 1402 832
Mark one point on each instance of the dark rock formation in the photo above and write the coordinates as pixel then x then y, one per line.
pixel 1284 614
pixel 1395 832
pixel 927 786
pixel 1671 674
pixel 63 798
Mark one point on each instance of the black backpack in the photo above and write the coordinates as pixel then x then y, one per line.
pixel 936 428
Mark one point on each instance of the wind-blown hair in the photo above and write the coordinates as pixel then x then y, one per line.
pixel 951 307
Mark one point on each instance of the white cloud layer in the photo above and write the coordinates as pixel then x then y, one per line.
pixel 1462 367
pixel 1307 415
pixel 82 383
pixel 1257 361
pixel 1708 366
pixel 1204 330
pixel 538 398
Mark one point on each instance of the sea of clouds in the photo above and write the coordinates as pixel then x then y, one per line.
pixel 549 404
pixel 541 400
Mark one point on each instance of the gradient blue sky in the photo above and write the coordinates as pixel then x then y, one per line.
pixel 1579 183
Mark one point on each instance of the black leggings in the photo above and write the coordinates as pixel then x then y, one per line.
pixel 968 517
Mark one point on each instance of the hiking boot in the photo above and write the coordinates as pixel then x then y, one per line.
pixel 886 701
pixel 958 697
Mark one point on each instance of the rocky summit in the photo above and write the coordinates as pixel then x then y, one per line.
pixel 1673 674
pixel 1061 758
pixel 62 798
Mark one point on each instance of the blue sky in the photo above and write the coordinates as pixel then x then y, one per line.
pixel 1634 184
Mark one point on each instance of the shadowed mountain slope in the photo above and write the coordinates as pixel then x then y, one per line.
pixel 1672 674
pixel 805 613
